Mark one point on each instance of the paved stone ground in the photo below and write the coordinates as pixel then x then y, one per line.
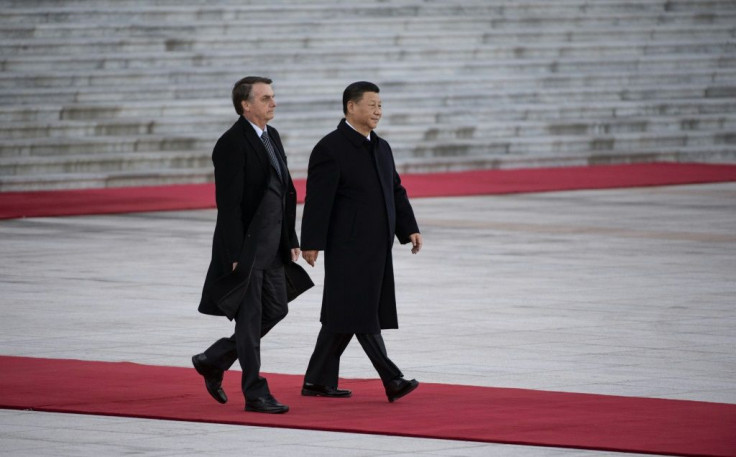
pixel 625 292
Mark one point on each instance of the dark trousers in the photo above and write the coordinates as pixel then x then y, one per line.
pixel 324 365
pixel 262 308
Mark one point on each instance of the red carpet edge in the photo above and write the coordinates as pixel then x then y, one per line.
pixel 441 411
pixel 478 182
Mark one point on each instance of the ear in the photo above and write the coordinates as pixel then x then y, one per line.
pixel 351 106
pixel 244 105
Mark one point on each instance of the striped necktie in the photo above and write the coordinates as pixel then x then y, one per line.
pixel 272 154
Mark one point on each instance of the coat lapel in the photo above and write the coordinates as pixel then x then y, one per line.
pixel 260 149
pixel 256 145
pixel 379 156
pixel 379 159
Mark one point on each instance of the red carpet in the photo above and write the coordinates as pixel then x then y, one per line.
pixel 516 416
pixel 481 182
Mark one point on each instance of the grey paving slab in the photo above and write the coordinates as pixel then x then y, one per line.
pixel 31 434
pixel 625 292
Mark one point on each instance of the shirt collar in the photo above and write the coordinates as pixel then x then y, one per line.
pixel 369 135
pixel 259 131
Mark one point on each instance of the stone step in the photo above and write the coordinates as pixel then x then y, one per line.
pixel 391 127
pixel 103 179
pixel 525 5
pixel 106 145
pixel 549 147
pixel 714 154
pixel 397 70
pixel 509 55
pixel 298 149
pixel 580 144
pixel 105 163
pixel 407 94
pixel 469 100
pixel 86 44
pixel 445 149
pixel 546 130
pixel 243 28
pixel 330 89
pixel 143 113
pixel 505 14
pixel 206 35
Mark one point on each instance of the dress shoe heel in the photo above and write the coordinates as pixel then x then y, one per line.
pixel 316 390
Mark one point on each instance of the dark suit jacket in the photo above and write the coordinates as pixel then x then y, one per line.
pixel 242 172
pixel 355 205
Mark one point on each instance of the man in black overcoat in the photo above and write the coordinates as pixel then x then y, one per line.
pixel 253 241
pixel 355 205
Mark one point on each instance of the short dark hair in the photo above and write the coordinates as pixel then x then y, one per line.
pixel 354 92
pixel 241 90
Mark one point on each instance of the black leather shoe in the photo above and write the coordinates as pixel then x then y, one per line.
pixel 212 377
pixel 400 387
pixel 266 404
pixel 315 390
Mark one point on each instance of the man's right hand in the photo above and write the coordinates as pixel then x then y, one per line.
pixel 310 256
pixel 235 265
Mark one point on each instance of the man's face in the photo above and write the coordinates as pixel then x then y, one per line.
pixel 365 113
pixel 260 106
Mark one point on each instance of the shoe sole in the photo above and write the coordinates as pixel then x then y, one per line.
pixel 309 393
pixel 276 411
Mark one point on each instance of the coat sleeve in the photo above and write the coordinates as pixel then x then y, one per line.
pixel 406 223
pixel 293 239
pixel 323 177
pixel 229 183
pixel 291 216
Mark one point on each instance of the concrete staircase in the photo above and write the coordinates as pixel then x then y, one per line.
pixel 111 93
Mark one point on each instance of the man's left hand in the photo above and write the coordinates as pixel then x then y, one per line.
pixel 295 254
pixel 416 242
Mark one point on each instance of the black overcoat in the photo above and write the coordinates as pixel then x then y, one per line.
pixel 355 205
pixel 242 170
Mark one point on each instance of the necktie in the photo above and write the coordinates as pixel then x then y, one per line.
pixel 272 154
